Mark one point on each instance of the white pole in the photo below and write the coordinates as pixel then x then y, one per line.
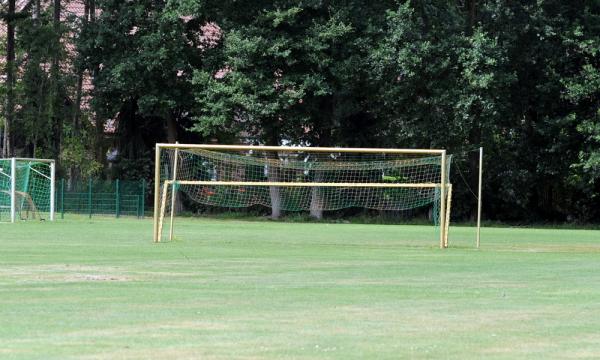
pixel 173 193
pixel 479 197
pixel 443 202
pixel 52 189
pixel 156 192
pixel 13 186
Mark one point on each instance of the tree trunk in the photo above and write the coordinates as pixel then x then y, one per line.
pixel 10 80
pixel 471 16
pixel 273 174
pixel 99 139
pixel 171 129
pixel 3 150
pixel 172 138
pixel 78 96
pixel 316 210
pixel 57 103
pixel 76 117
pixel 274 191
pixel 324 139
pixel 99 153
pixel 92 10
pixel 316 201
pixel 73 170
pixel 37 10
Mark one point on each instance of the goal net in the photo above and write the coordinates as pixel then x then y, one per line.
pixel 26 189
pixel 301 179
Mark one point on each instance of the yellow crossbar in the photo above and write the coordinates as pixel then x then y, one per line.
pixel 305 184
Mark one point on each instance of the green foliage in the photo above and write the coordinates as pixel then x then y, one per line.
pixel 40 90
pixel 517 78
pixel 135 169
pixel 3 83
pixel 583 91
pixel 76 153
pixel 520 78
pixel 44 94
pixel 294 72
pixel 138 51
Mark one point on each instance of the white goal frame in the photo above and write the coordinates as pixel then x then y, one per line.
pixel 444 186
pixel 13 193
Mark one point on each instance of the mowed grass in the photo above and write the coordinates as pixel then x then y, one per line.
pixel 226 289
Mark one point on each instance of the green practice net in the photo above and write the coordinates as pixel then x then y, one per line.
pixel 32 189
pixel 302 180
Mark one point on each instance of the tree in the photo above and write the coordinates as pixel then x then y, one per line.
pixel 290 72
pixel 41 94
pixel 459 75
pixel 9 109
pixel 141 60
pixel 583 92
pixel 443 83
pixel 541 121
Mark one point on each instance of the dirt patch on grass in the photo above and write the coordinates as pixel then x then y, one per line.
pixel 62 273
pixel 554 248
pixel 96 277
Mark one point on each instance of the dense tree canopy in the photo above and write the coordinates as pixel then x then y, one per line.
pixel 521 79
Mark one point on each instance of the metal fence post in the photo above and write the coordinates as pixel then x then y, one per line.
pixel 117 199
pixel 125 196
pixel 62 198
pixel 90 197
pixel 143 198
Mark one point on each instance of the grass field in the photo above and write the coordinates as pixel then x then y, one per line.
pixel 100 289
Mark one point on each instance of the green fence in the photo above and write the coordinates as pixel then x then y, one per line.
pixel 102 197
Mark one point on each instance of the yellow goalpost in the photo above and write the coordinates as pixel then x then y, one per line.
pixel 409 177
